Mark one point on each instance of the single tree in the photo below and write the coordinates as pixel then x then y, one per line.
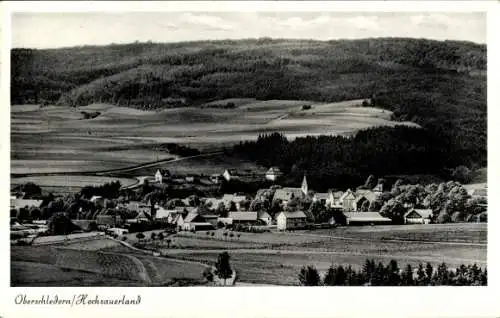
pixel 222 267
pixel 140 236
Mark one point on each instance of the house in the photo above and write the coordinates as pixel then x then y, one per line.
pixel 187 222
pixel 162 175
pixel 215 178
pixel 334 199
pixel 291 220
pixel 264 217
pixel 418 216
pixel 322 198
pixel 143 217
pixel 362 197
pixel 24 203
pixel 362 218
pixel 237 199
pixel 273 174
pixel 246 217
pixel 230 174
pixel 347 201
pixel 287 194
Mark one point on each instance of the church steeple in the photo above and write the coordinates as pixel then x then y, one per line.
pixel 304 187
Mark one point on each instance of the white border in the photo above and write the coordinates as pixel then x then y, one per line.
pixel 260 301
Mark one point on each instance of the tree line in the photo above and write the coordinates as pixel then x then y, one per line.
pixel 373 274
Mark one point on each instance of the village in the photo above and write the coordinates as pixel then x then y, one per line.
pixel 271 209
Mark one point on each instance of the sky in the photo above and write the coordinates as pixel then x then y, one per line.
pixel 54 30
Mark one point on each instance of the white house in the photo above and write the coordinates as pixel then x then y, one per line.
pixel 290 220
pixel 418 216
pixel 347 201
pixel 273 174
pixel 333 200
pixel 229 174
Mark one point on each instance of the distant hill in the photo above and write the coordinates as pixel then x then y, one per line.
pixel 440 85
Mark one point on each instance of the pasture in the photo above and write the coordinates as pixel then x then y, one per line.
pixel 60 139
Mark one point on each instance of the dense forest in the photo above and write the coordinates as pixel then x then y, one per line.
pixel 345 162
pixel 440 85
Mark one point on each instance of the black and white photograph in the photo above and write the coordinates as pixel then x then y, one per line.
pixel 248 149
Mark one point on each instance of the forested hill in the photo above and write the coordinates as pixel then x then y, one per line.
pixel 439 85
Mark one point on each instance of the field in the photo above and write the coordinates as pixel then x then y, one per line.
pixel 350 246
pixel 71 182
pixel 59 139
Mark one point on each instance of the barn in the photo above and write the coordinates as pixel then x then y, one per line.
pixel 418 216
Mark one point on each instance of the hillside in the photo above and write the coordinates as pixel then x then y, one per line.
pixel 438 85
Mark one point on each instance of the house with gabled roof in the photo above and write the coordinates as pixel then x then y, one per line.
pixel 264 217
pixel 291 220
pixel 333 200
pixel 418 216
pixel 347 200
pixel 273 174
pixel 230 174
pixel 287 194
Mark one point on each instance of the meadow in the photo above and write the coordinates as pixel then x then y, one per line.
pixel 59 139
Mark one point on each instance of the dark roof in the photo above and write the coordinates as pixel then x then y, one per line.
pixel 425 213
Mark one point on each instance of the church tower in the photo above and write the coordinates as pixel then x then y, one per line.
pixel 304 186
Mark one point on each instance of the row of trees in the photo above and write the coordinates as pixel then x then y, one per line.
pixel 373 274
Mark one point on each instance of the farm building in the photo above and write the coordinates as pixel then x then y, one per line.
pixel 273 174
pixel 243 217
pixel 363 218
pixel 237 199
pixel 162 175
pixel 291 220
pixel 24 203
pixel 190 178
pixel 264 217
pixel 418 216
